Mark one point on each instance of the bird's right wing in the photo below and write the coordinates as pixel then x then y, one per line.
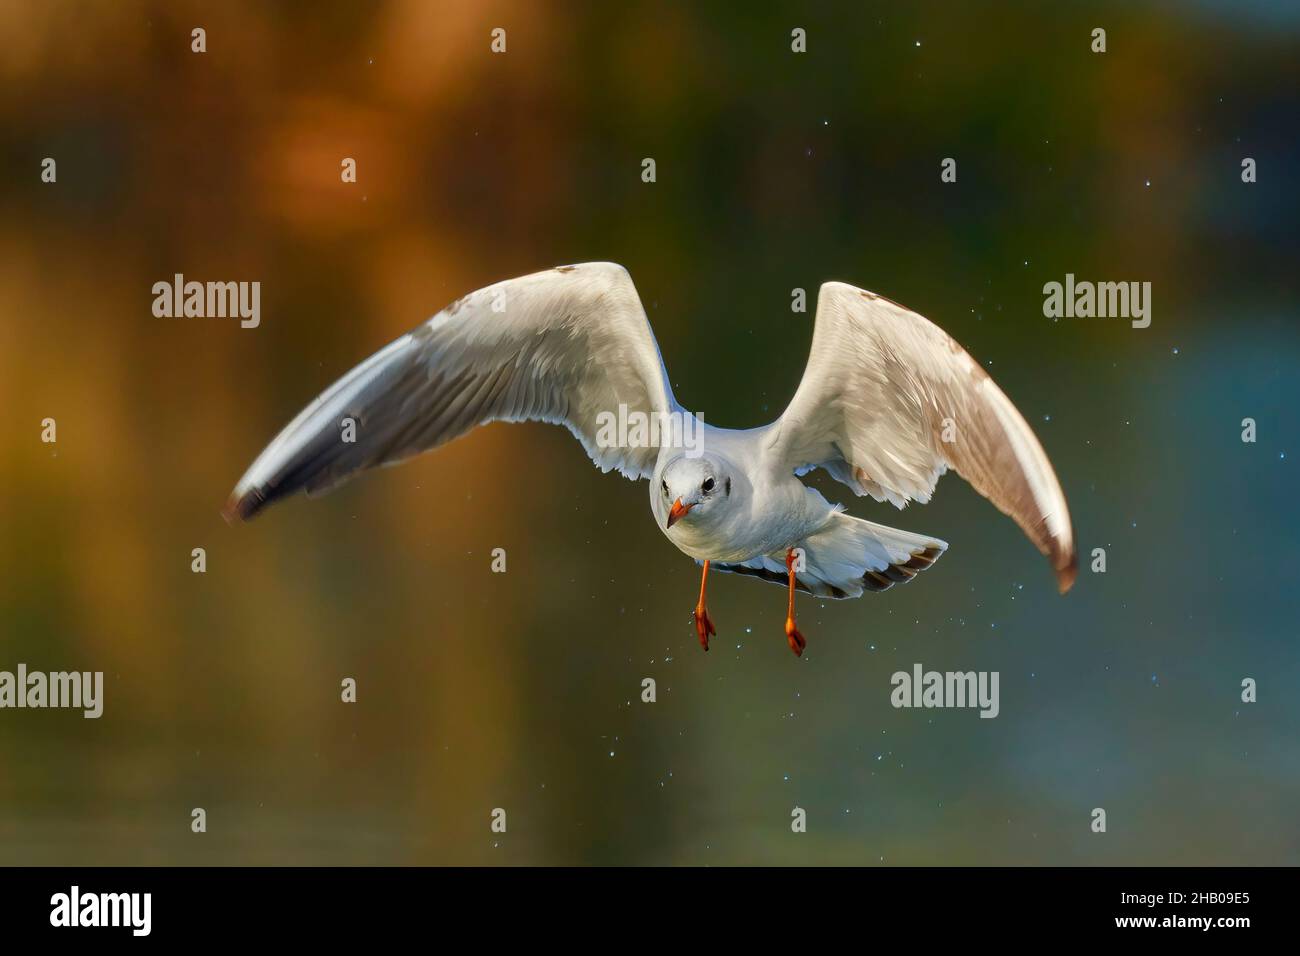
pixel 561 346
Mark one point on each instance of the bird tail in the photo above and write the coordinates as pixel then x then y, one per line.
pixel 849 556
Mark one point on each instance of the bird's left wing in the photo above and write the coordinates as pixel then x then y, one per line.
pixel 889 402
pixel 561 346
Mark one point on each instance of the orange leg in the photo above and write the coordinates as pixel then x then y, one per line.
pixel 792 635
pixel 703 626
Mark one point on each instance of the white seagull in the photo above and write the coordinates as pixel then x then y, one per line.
pixel 888 403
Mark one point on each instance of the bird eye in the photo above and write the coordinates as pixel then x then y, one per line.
pixel 708 484
pixel 665 484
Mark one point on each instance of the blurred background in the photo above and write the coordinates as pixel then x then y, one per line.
pixel 522 690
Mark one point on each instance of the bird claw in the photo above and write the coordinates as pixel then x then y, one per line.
pixel 703 626
pixel 794 638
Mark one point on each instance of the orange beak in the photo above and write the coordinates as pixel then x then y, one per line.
pixel 678 512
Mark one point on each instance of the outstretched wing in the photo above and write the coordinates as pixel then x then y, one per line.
pixel 889 402
pixel 560 346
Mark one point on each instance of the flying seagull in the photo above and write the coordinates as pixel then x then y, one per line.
pixel 888 403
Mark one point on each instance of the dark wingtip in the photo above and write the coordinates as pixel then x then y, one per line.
pixel 243 507
pixel 1067 572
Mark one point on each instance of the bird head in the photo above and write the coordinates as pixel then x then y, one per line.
pixel 694 486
